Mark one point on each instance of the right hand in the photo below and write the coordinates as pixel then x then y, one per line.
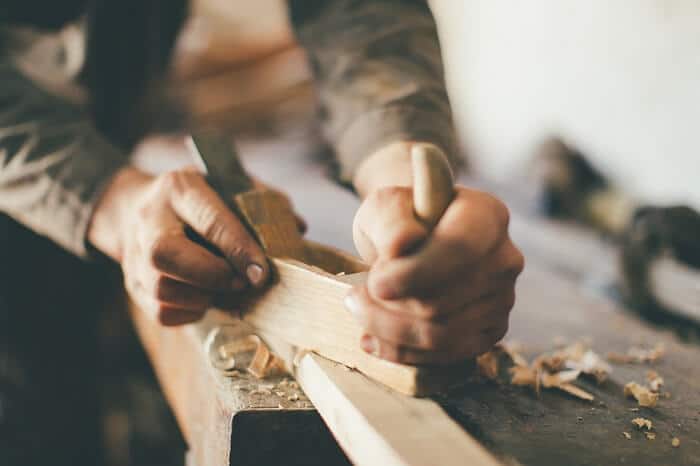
pixel 140 222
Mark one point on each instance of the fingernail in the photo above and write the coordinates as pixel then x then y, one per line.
pixel 255 274
pixel 353 305
pixel 369 344
pixel 237 284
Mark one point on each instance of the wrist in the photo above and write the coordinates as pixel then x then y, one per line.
pixel 113 211
pixel 388 166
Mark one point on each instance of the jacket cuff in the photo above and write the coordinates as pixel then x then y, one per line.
pixel 386 125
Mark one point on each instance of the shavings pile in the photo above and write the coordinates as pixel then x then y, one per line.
pixel 638 355
pixel 555 370
pixel 559 369
pixel 248 352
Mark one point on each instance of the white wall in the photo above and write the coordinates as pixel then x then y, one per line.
pixel 620 79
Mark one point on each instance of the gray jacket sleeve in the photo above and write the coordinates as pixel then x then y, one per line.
pixel 53 163
pixel 379 74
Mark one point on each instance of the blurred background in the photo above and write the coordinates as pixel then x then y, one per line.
pixel 619 80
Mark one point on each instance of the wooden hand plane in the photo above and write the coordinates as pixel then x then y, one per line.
pixel 303 305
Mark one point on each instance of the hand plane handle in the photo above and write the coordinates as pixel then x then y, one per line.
pixel 433 183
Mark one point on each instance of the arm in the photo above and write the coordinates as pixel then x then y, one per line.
pixel 60 178
pixel 53 163
pixel 380 82
pixel 431 296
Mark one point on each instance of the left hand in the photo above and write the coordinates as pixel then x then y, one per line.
pixel 434 297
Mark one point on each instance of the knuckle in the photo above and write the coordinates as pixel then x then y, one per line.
pixel 434 337
pixel 177 181
pixel 388 196
pixel 429 310
pixel 162 290
pixel 158 252
pixel 517 262
pixel 496 335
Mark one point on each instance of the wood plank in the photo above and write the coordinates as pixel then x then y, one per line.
pixel 375 425
pixel 305 308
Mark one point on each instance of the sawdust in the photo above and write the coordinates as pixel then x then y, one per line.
pixel 650 435
pixel 487 364
pixel 643 395
pixel 627 435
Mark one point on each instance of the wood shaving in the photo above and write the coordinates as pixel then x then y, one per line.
pixel 576 391
pixel 264 362
pixel 487 364
pixel 655 381
pixel 524 376
pixel 293 397
pixel 642 423
pixel 556 380
pixel 627 435
pixel 638 355
pixel 650 435
pixel 675 442
pixel 591 364
pixel 558 369
pixel 643 395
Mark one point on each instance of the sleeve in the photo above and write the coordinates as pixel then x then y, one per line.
pixel 379 73
pixel 53 162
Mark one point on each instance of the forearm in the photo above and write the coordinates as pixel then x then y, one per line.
pixel 53 164
pixel 105 230
pixel 380 77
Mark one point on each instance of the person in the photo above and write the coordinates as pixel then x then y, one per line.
pixel 432 297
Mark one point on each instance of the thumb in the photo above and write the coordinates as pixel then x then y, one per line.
pixel 198 205
pixel 385 226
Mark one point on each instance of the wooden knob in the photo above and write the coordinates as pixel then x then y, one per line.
pixel 433 184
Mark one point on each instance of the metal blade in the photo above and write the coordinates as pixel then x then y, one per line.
pixel 224 170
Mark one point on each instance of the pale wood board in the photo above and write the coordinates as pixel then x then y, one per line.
pixel 305 308
pixel 376 425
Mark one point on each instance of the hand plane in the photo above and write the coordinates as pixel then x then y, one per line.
pixel 303 305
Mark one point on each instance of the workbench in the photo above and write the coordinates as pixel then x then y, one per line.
pixel 559 298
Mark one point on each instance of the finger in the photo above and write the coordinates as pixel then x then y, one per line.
pixel 385 225
pixel 228 301
pixel 181 295
pixel 472 226
pixel 473 347
pixel 302 226
pixel 175 255
pixel 495 274
pixel 171 317
pixel 201 208
pixel 404 329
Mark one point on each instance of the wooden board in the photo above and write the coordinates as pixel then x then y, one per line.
pixel 303 303
pixel 376 425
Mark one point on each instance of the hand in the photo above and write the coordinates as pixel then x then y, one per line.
pixel 434 297
pixel 140 222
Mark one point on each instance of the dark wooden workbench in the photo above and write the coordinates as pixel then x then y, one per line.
pixel 555 299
